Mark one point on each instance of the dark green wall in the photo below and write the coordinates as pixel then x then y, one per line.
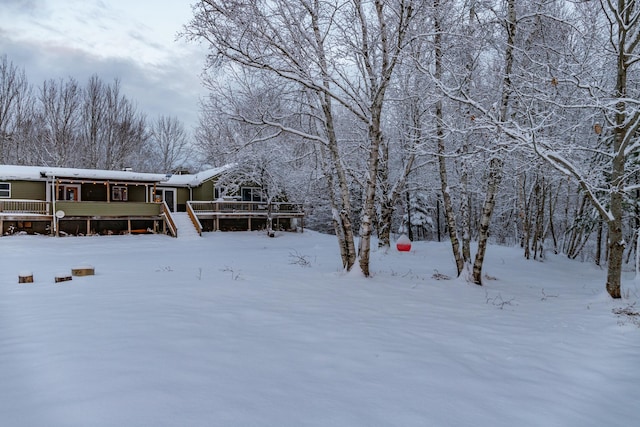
pixel 31 190
pixel 204 192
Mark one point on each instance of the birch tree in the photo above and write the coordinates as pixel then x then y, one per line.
pixel 316 45
pixel 615 102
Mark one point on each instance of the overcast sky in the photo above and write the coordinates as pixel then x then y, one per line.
pixel 132 40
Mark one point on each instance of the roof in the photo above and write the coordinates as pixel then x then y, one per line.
pixel 40 173
pixel 190 180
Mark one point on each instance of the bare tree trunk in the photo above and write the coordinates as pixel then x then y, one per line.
pixel 465 212
pixel 526 220
pixel 598 256
pixel 495 176
pixel 379 67
pixel 341 215
pixel 387 200
pixel 538 236
pixel 375 137
pixel 444 181
pixel 553 202
pixel 496 163
pixel 627 39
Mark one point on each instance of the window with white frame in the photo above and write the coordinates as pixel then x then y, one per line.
pixel 119 193
pixel 252 194
pixel 70 192
pixel 5 190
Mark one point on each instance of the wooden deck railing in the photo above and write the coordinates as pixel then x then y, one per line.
pixel 17 206
pixel 194 218
pixel 169 219
pixel 255 208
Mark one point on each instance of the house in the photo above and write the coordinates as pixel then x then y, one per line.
pixel 59 201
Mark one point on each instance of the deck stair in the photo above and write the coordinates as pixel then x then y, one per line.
pixel 186 229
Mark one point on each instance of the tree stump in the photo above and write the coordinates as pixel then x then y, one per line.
pixel 25 278
pixel 62 278
pixel 86 270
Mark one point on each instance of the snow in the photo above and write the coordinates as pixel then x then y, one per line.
pixel 38 173
pixel 190 180
pixel 245 330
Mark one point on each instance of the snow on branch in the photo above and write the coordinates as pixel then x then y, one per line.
pixel 566 167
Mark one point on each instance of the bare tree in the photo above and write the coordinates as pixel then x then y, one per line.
pixel 15 101
pixel 93 122
pixel 273 40
pixel 125 132
pixel 169 143
pixel 60 103
pixel 608 182
pixel 315 44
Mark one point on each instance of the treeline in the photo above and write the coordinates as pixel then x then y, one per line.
pixel 515 122
pixel 63 123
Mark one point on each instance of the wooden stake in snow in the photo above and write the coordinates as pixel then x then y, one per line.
pixel 25 277
pixel 86 270
pixel 62 278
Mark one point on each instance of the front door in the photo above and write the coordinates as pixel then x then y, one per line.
pixel 167 195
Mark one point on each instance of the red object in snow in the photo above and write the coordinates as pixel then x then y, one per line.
pixel 403 244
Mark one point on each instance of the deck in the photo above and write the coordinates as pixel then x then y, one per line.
pixel 215 214
pixel 220 210
pixel 84 217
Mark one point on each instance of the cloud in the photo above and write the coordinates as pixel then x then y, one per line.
pixel 169 88
pixel 115 39
pixel 25 6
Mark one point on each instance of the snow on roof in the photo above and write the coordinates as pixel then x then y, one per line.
pixel 38 173
pixel 190 180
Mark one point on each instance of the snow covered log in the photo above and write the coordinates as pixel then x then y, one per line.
pixel 86 270
pixel 25 277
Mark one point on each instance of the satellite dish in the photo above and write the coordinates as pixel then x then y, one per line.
pixel 59 214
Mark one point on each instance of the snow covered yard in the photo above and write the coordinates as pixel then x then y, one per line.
pixel 238 329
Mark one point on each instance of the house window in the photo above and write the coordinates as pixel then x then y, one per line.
pixel 252 194
pixel 69 192
pixel 119 193
pixel 5 190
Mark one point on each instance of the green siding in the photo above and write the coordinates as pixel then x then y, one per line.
pixel 137 193
pixel 30 190
pixel 114 209
pixel 204 192
pixel 182 195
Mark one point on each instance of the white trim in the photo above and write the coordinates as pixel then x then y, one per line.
pixel 122 192
pixel 162 191
pixel 62 187
pixel 9 190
